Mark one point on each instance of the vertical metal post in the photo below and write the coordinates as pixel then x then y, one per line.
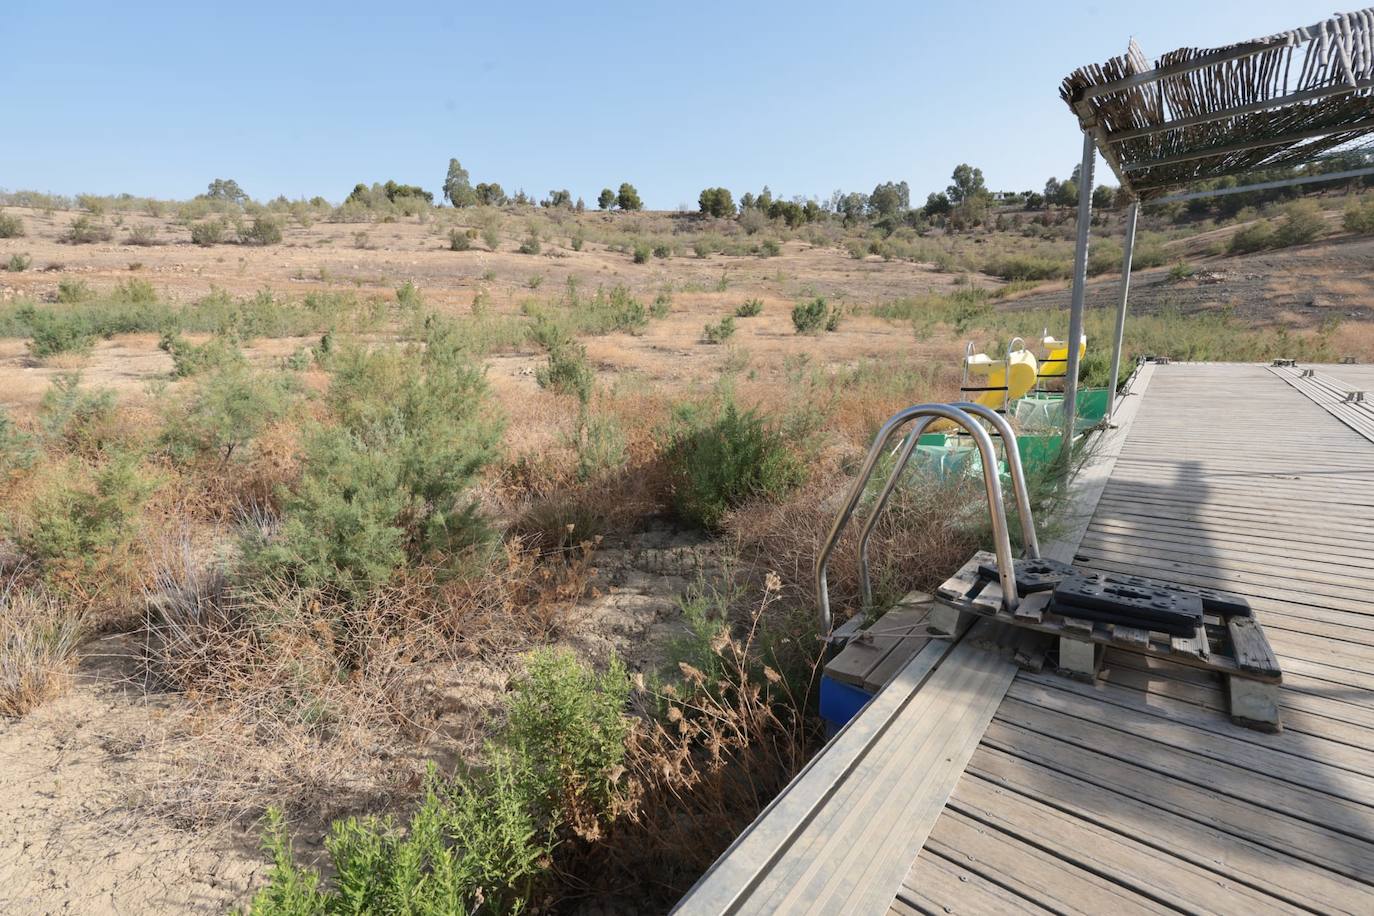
pixel 1080 279
pixel 1129 246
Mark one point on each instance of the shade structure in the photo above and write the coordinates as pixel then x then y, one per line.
pixel 1201 114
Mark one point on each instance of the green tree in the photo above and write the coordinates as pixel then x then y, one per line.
pixel 1052 192
pixel 628 197
pixel 606 200
pixel 560 198
pixel 936 205
pixel 889 199
pixel 457 189
pixel 490 195
pixel 226 189
pixel 968 184
pixel 717 202
pixel 1103 197
pixel 1068 194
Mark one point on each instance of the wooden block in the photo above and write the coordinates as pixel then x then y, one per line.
pixel 1251 648
pixel 1195 645
pixel 947 621
pixel 889 635
pixel 1254 704
pixel 990 598
pixel 1078 658
pixel 959 585
pixel 1130 636
pixel 1032 607
pixel 1078 627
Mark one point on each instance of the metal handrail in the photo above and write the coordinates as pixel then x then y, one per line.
pixel 1014 467
pixel 996 509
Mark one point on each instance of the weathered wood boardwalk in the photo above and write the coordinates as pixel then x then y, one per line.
pixel 1138 794
pixel 996 790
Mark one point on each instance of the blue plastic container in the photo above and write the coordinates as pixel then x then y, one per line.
pixel 840 702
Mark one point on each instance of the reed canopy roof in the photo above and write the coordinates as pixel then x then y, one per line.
pixel 1197 114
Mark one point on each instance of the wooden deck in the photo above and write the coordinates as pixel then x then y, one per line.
pixel 1030 792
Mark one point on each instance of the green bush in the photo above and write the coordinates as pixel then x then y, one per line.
pixel 702 248
pixel 134 292
pixel 70 291
pixel 1358 217
pixel 567 371
pixel 52 332
pixel 662 250
pixel 769 248
pixel 1254 237
pixel 264 231
pixel 75 419
pixel 750 309
pixel 210 232
pixel 142 236
pixel 87 514
pixel 18 263
pixel 87 231
pixel 531 245
pixel 11 226
pixel 814 315
pixel 458 240
pixel 642 251
pixel 1302 222
pixel 408 296
pixel 1027 267
pixel 387 481
pixel 192 359
pixel 718 459
pixel 719 332
pixel 1181 271
pixel 223 411
pixel 481 843
pixel 491 235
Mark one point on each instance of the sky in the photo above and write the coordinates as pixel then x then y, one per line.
pixel 305 99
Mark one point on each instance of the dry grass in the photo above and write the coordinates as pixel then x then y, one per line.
pixel 320 705
pixel 706 753
pixel 39 635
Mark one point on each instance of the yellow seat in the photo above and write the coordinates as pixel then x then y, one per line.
pixel 994 374
pixel 1056 362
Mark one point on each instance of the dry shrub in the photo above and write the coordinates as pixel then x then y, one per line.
pixel 929 528
pixel 315 703
pixel 703 758
pixel 38 640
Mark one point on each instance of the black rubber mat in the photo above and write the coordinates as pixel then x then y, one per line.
pixel 1038 575
pixel 1148 606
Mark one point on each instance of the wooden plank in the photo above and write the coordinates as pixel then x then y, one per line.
pixel 891 633
pixel 938 885
pixel 1125 861
pixel 1251 648
pixel 1030 872
pixel 959 585
pixel 734 873
pixel 1151 779
pixel 1203 844
pixel 1217 772
pixel 855 852
pixel 1337 769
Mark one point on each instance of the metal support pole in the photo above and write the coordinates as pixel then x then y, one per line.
pixel 1129 246
pixel 1080 280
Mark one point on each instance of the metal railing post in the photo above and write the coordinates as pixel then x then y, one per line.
pixel 1014 467
pixel 996 508
pixel 1080 280
pixel 1129 246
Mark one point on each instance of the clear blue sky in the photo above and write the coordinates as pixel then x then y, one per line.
pixel 310 98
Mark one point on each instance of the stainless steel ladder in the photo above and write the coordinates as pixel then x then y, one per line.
pixel 962 414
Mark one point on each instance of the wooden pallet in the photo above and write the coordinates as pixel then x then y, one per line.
pixel 1235 647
